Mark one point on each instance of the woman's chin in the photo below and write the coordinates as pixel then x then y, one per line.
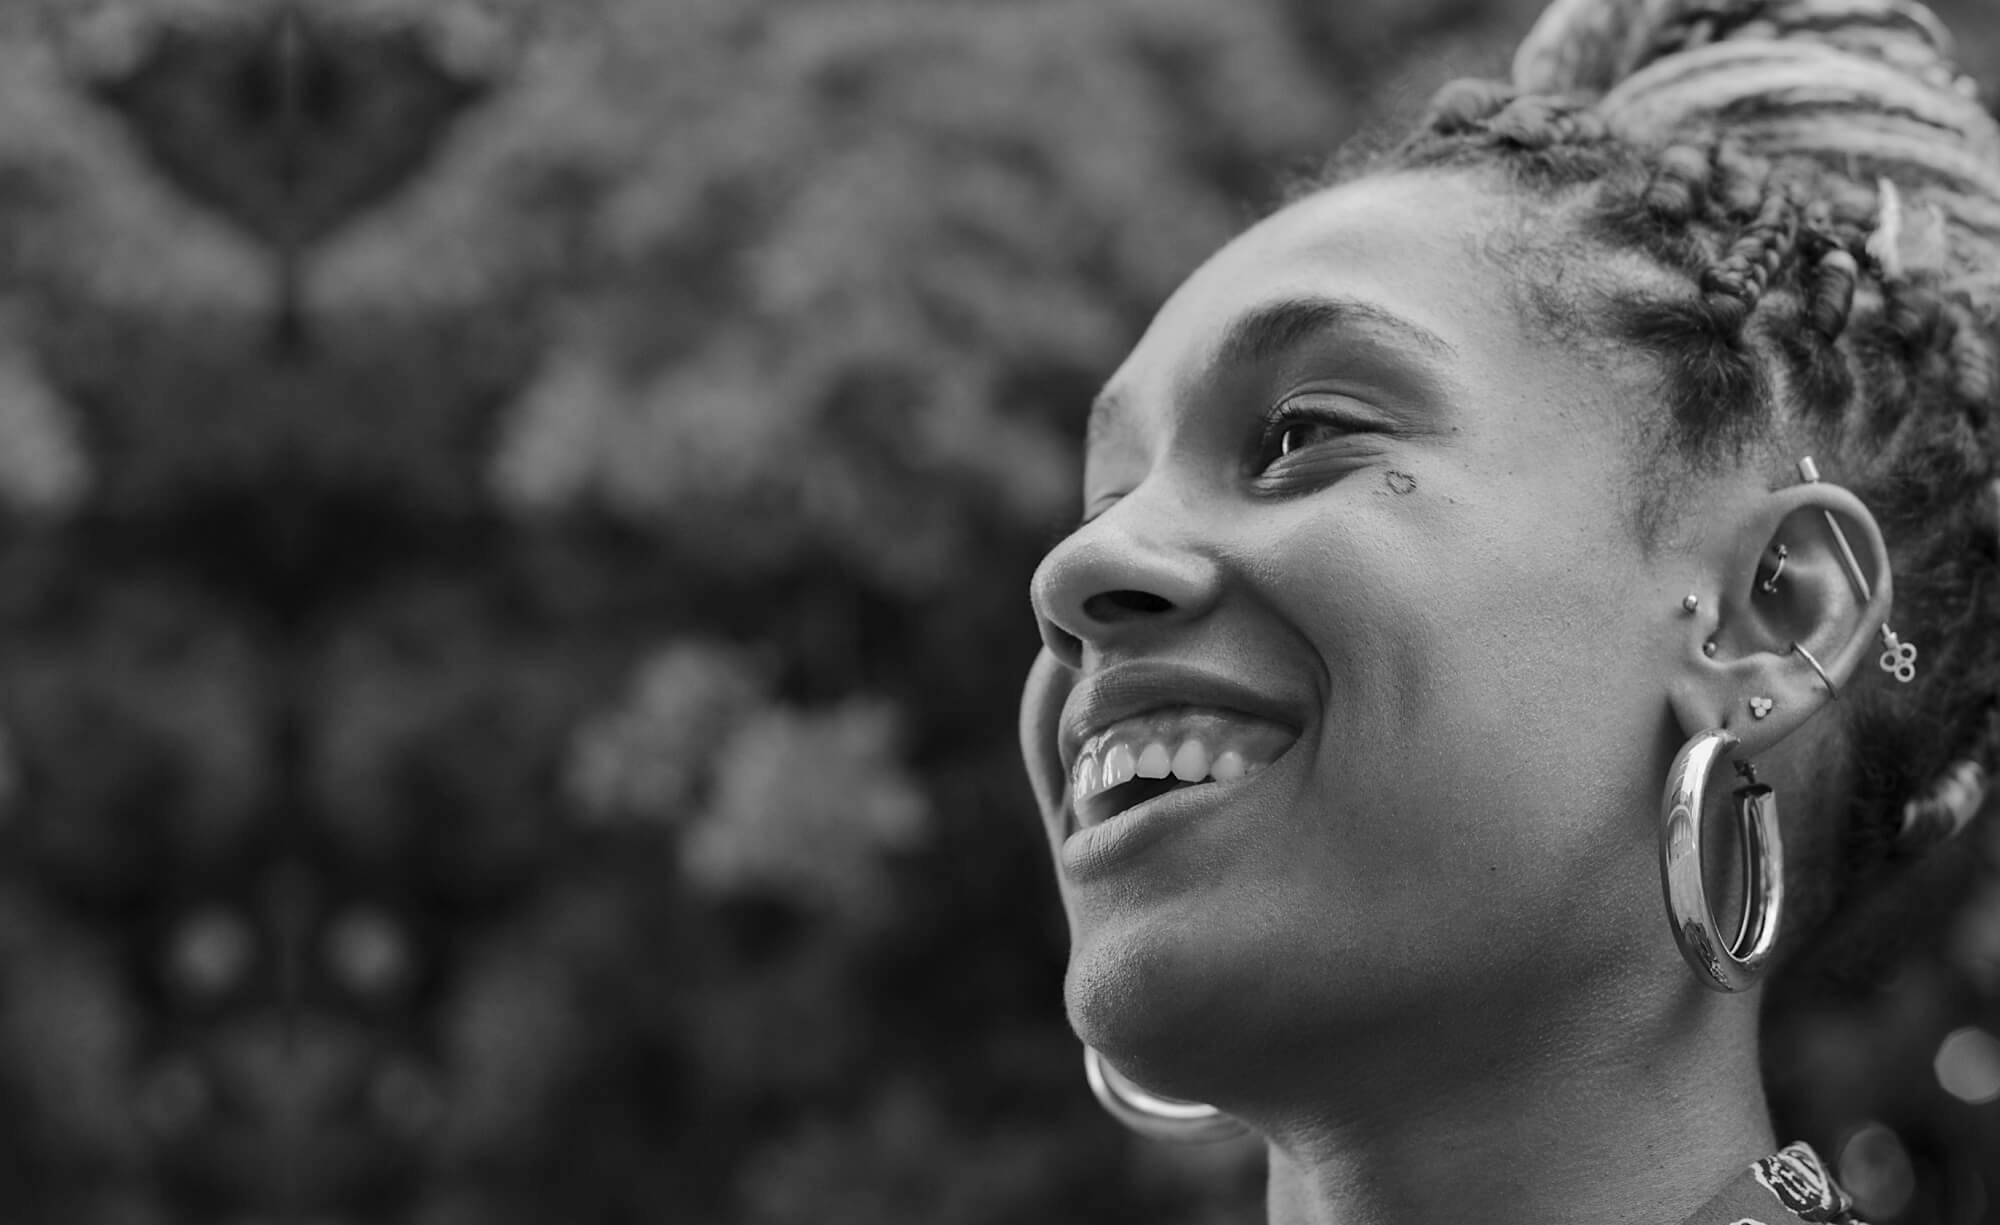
pixel 1158 1011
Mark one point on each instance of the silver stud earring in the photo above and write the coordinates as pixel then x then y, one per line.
pixel 1708 648
pixel 1759 707
pixel 1690 602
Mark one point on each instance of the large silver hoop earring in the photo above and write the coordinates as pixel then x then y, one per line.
pixel 1741 962
pixel 1153 1116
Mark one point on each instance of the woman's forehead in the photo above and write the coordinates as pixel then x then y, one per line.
pixel 1396 254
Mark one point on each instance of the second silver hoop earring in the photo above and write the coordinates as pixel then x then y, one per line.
pixel 1740 962
pixel 1153 1116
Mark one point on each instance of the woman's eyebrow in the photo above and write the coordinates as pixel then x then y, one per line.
pixel 1272 330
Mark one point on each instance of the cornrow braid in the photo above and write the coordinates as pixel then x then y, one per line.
pixel 1736 283
pixel 1828 277
pixel 1828 292
pixel 1677 192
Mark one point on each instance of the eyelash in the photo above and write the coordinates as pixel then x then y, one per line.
pixel 1287 416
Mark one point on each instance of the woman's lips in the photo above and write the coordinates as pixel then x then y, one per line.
pixel 1094 849
pixel 1152 709
pixel 1138 758
pixel 1049 685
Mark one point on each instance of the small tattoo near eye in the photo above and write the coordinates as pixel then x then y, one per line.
pixel 1400 482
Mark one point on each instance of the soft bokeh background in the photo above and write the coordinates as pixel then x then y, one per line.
pixel 512 592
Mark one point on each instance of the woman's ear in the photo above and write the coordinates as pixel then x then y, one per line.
pixel 1799 589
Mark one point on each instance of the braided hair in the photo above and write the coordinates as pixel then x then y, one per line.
pixel 1793 207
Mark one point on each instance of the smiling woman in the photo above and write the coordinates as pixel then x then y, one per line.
pixel 1446 536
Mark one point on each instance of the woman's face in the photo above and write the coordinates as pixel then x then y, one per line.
pixel 1356 551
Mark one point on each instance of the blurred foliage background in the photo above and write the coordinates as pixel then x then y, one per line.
pixel 514 527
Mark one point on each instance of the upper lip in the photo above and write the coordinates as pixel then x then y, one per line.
pixel 1125 690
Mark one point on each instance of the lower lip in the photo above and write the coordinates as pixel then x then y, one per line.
pixel 1096 849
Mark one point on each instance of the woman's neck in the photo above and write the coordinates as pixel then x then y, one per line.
pixel 1576 1130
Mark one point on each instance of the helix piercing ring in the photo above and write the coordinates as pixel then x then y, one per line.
pixel 1770 585
pixel 1832 690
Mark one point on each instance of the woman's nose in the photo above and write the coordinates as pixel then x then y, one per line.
pixel 1111 579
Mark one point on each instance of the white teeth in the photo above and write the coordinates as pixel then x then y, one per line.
pixel 1100 768
pixel 1191 763
pixel 1118 767
pixel 1228 766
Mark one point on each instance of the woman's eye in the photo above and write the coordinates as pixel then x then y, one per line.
pixel 1309 421
pixel 1291 431
pixel 1298 435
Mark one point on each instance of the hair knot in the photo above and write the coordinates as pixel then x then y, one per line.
pixel 1534 122
pixel 1914 313
pixel 1678 191
pixel 1465 105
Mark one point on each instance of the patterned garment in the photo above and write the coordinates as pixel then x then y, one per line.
pixel 1786 1188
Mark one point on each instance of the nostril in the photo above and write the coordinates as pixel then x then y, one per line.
pixel 1110 606
pixel 1066 647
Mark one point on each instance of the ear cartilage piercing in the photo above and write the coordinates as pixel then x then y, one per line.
pixel 1760 707
pixel 1708 648
pixel 1771 584
pixel 1899 658
pixel 1809 473
pixel 1832 690
pixel 1690 602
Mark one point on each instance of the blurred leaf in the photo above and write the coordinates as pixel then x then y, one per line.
pixel 805 805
